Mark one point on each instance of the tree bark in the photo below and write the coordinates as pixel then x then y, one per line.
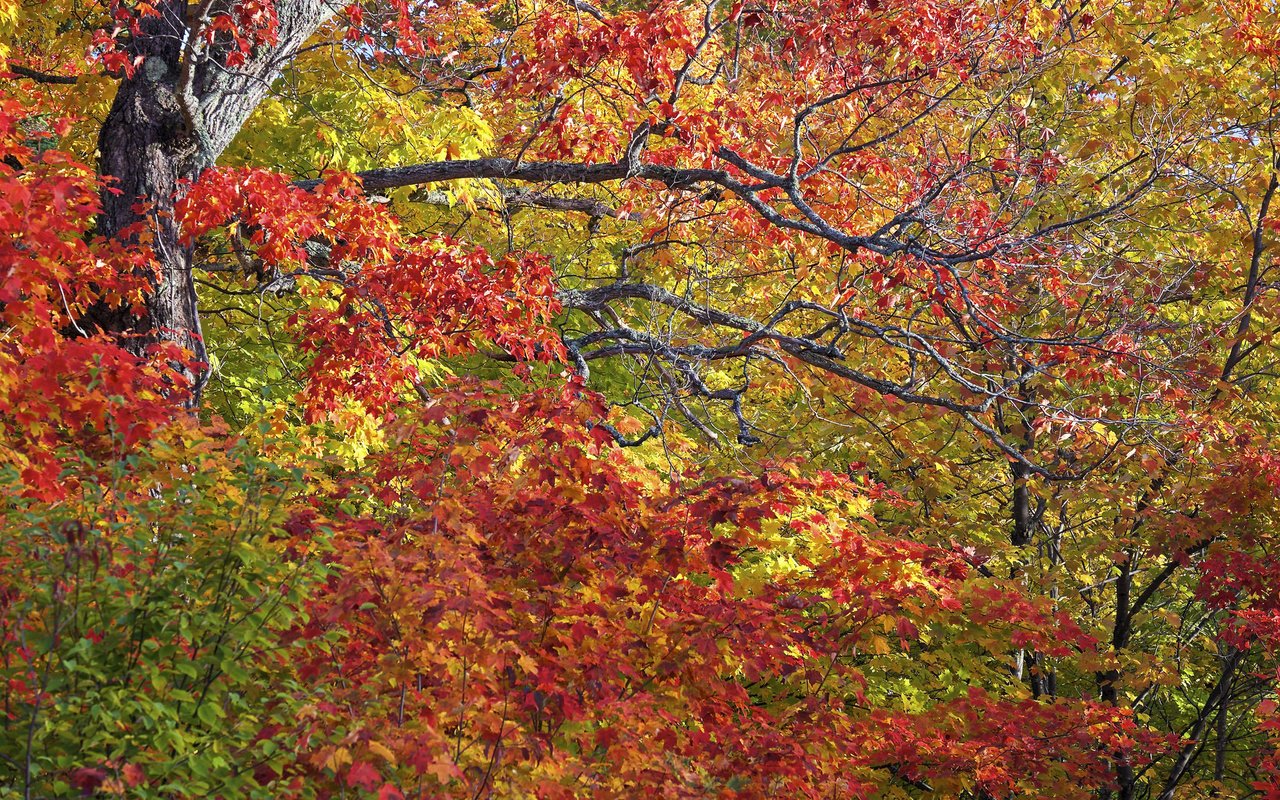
pixel 144 150
pixel 169 122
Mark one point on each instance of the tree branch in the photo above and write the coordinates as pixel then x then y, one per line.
pixel 42 77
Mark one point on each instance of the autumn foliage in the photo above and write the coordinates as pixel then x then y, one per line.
pixel 503 400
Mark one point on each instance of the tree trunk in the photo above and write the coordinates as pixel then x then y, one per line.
pixel 145 148
pixel 168 123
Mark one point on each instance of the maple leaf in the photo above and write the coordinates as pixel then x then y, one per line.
pixel 389 792
pixel 364 775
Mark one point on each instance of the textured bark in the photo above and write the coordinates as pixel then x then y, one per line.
pixel 169 122
pixel 144 148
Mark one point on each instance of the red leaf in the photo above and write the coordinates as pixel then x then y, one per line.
pixel 364 776
pixel 389 792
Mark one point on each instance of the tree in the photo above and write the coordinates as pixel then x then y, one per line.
pixel 973 299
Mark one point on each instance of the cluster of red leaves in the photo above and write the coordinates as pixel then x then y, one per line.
pixel 1224 531
pixel 90 780
pixel 392 28
pixel 1239 572
pixel 572 48
pixel 1223 526
pixel 1269 764
pixel 827 50
pixel 1002 744
pixel 230 34
pixel 385 300
pixel 59 385
pixel 248 24
pixel 518 608
pixel 935 34
pixel 1254 27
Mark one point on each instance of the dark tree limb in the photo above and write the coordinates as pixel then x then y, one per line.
pixel 43 77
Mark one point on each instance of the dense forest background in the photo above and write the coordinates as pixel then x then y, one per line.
pixel 680 399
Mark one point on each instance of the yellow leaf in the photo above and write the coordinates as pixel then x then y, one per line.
pixel 378 748
pixel 339 759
